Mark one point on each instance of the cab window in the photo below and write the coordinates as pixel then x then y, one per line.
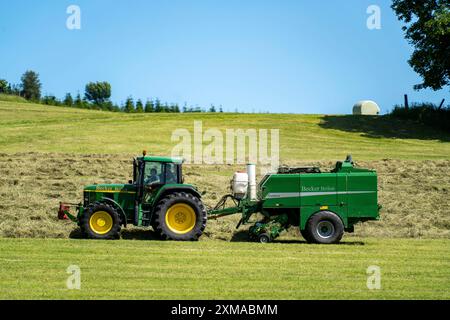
pixel 171 173
pixel 153 173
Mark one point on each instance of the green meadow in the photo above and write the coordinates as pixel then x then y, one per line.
pixel 26 127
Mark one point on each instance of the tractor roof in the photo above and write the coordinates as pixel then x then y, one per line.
pixel 161 159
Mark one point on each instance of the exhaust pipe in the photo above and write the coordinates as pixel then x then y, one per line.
pixel 251 172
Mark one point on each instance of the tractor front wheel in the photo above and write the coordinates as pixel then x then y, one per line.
pixel 180 216
pixel 100 221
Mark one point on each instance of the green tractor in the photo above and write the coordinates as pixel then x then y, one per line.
pixel 156 197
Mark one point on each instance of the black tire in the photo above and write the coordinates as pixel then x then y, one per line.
pixel 325 227
pixel 97 207
pixel 177 198
pixel 264 238
pixel 155 228
pixel 305 234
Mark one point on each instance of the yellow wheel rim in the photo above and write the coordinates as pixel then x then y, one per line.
pixel 180 218
pixel 101 222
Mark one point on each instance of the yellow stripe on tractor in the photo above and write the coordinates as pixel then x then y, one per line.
pixel 110 191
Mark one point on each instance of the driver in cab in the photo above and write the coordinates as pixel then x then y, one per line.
pixel 153 178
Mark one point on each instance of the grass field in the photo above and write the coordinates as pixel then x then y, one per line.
pixel 48 154
pixel 36 269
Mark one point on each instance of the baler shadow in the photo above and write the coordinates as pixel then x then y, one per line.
pixel 289 241
pixel 344 243
pixel 242 236
pixel 351 243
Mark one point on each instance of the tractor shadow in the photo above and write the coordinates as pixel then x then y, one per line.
pixel 125 234
pixel 76 234
pixel 383 127
pixel 139 234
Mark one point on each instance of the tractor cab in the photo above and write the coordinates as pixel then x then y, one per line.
pixel 157 171
pixel 151 173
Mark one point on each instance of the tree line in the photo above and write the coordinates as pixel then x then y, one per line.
pixel 97 96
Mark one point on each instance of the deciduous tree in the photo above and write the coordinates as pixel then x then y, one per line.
pixel 98 92
pixel 427 28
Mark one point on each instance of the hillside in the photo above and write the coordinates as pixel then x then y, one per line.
pixel 47 154
pixel 38 128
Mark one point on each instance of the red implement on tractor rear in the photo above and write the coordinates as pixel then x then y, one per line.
pixel 64 211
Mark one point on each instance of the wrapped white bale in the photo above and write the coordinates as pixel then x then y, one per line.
pixel 366 107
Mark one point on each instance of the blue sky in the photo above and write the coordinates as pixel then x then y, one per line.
pixel 278 56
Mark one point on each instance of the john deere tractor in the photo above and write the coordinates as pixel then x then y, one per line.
pixel 155 197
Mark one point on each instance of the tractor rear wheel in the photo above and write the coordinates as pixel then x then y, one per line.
pixel 180 216
pixel 100 221
pixel 325 227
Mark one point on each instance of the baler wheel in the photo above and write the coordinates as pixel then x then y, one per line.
pixel 180 216
pixel 325 227
pixel 264 238
pixel 100 221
